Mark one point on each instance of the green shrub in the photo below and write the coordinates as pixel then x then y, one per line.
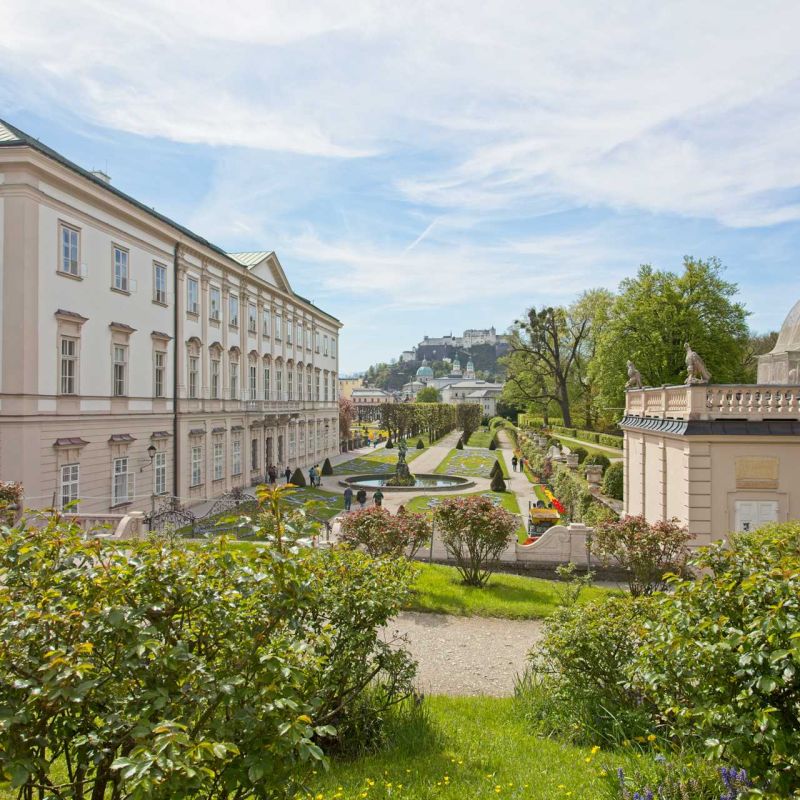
pixel 598 459
pixel 493 443
pixel 646 551
pixel 234 664
pixel 474 532
pixel 382 534
pixel 611 441
pixel 389 443
pixel 496 469
pixel 298 479
pixel 327 469
pixel 614 481
pixel 460 444
pixel 576 683
pixel 497 483
pixel 581 452
pixel 420 444
pixel 721 656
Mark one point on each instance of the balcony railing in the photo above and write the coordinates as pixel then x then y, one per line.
pixel 715 401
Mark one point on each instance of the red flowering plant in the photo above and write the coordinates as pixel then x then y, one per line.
pixel 381 534
pixel 474 532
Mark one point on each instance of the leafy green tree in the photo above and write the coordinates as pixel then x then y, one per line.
pixel 614 481
pixel 430 394
pixel 655 313
pixel 468 418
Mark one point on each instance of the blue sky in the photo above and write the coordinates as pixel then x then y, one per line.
pixel 426 167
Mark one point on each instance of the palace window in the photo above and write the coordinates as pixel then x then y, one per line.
pixel 252 318
pixel 236 457
pixel 197 465
pixel 159 370
pixel 69 365
pixel 122 490
pixel 266 383
pixel 253 380
pixel 265 323
pixel 121 281
pixel 214 303
pixel 234 380
pixel 215 379
pixel 254 454
pixel 70 250
pixel 120 370
pixel 70 480
pixel 160 473
pixel 192 296
pixel 219 460
pixel 194 376
pixel 159 283
pixel 233 311
pixel 278 324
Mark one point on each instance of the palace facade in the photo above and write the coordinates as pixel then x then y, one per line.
pixel 137 359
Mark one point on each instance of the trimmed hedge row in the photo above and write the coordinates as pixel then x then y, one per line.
pixel 593 437
pixel 532 421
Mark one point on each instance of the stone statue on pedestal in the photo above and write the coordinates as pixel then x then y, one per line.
pixel 696 371
pixel 634 377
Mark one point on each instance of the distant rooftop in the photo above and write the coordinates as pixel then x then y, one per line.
pixel 250 259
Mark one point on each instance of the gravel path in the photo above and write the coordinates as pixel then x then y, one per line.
pixel 466 655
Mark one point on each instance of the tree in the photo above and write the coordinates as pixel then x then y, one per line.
pixel 498 484
pixel 347 413
pixel 655 313
pixel 474 532
pixel 430 394
pixel 757 345
pixel 544 357
pixel 468 418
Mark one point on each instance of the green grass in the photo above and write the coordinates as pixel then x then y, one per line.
pixel 471 463
pixel 592 450
pixel 439 590
pixel 379 462
pixel 508 500
pixel 481 438
pixel 469 748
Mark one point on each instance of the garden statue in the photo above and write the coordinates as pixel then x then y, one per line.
pixel 634 377
pixel 402 475
pixel 696 371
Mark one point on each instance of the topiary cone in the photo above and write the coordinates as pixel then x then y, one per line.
pixel 493 444
pixel 460 445
pixel 298 479
pixel 327 469
pixel 498 484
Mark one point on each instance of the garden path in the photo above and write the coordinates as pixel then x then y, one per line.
pixel 433 456
pixel 517 481
pixel 466 655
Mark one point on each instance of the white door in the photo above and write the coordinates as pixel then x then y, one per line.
pixel 752 514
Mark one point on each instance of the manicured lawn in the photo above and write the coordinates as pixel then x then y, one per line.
pixel 439 590
pixel 481 438
pixel 508 500
pixel 592 450
pixel 468 748
pixel 471 463
pixel 379 462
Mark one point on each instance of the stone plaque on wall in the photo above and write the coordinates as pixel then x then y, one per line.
pixel 757 472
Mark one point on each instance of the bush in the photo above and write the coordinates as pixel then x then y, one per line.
pixel 611 441
pixel 389 443
pixel 614 481
pixel 159 671
pixel 420 444
pixel 646 551
pixel 677 780
pixel 327 469
pixel 498 484
pixel 460 444
pixel 493 443
pixel 599 459
pixel 581 452
pixel 496 469
pixel 298 479
pixel 721 658
pixel 381 534
pixel 576 684
pixel 474 532
pixel 11 495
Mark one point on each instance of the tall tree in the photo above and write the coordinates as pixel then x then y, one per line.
pixel 430 394
pixel 655 313
pixel 545 354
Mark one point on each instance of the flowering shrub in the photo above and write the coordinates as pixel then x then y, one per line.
pixel 646 551
pixel 381 534
pixel 10 495
pixel 474 532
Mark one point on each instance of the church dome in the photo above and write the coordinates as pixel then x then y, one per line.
pixel 424 371
pixel 789 337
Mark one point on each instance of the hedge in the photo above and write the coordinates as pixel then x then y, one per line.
pixel 592 437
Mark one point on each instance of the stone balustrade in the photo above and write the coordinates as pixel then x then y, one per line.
pixel 714 401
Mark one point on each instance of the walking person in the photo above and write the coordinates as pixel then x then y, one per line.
pixel 377 498
pixel 318 475
pixel 311 477
pixel 514 463
pixel 361 498
pixel 348 499
pixel 273 474
pixel 287 473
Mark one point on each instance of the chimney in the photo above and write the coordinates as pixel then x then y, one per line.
pixel 100 175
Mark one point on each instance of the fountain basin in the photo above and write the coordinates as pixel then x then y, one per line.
pixel 429 483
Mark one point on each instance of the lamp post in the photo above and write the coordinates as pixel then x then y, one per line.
pixel 151 454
